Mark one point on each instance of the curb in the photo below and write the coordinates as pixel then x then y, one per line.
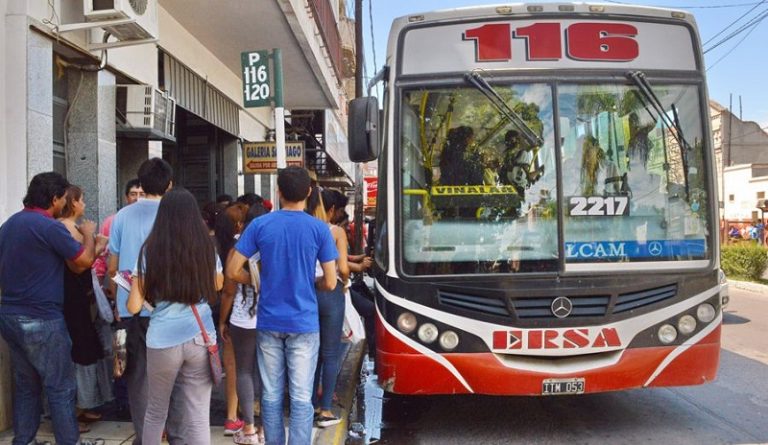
pixel 749 286
pixel 349 377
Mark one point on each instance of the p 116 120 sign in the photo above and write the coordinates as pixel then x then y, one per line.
pixel 257 91
pixel 598 206
pixel 610 42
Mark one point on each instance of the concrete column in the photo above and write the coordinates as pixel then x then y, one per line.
pixel 265 189
pixel 40 104
pixel 91 148
pixel 249 184
pixel 231 167
pixel 14 32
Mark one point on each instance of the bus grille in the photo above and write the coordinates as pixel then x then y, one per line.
pixel 583 306
pixel 541 307
pixel 485 305
pixel 634 300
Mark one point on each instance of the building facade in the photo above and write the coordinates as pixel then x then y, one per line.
pixel 736 142
pixel 746 191
pixel 70 105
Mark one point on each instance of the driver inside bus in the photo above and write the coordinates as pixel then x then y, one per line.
pixel 459 164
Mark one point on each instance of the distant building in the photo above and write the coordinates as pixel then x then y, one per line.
pixel 745 191
pixel 736 143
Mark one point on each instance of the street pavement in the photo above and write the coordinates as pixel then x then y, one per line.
pixel 116 433
pixel 731 410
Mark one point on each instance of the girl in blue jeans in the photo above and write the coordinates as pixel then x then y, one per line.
pixel 331 310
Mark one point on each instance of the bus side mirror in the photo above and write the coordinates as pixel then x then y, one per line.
pixel 363 126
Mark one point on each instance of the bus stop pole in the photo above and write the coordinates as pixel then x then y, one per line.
pixel 357 236
pixel 277 60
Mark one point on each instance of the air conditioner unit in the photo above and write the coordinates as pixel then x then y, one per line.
pixel 144 12
pixel 144 112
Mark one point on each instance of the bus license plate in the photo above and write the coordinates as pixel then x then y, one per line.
pixel 556 387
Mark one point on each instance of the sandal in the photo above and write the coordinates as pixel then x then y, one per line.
pixel 83 427
pixel 241 438
pixel 88 416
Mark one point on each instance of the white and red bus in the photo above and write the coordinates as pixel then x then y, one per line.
pixel 546 216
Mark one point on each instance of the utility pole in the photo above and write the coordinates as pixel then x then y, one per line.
pixel 357 236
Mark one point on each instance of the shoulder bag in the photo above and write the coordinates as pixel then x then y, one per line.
pixel 214 361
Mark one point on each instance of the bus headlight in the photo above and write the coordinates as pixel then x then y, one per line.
pixel 667 334
pixel 449 340
pixel 406 322
pixel 686 324
pixel 428 333
pixel 705 312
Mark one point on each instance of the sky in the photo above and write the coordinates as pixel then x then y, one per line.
pixel 734 67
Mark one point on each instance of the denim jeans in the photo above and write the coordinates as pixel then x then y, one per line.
pixel 41 356
pixel 295 354
pixel 331 307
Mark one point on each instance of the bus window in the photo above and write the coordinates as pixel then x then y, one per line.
pixel 476 197
pixel 641 193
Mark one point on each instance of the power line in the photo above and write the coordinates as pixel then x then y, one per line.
pixel 753 22
pixel 733 22
pixel 373 42
pixel 734 46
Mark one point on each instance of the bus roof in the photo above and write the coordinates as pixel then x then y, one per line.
pixel 513 11
pixel 516 9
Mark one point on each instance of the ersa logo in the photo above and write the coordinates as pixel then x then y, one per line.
pixel 577 338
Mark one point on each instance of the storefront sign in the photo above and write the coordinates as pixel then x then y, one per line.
pixel 261 157
pixel 371 190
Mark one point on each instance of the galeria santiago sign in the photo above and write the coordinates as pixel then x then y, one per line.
pixel 261 157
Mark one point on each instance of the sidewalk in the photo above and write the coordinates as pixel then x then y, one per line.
pixel 116 433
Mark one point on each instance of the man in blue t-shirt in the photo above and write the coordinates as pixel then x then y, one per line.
pixel 34 250
pixel 129 230
pixel 290 242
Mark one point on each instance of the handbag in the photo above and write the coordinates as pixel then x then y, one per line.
pixel 105 310
pixel 353 330
pixel 214 361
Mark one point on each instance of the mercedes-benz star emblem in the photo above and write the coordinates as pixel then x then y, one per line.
pixel 655 248
pixel 561 307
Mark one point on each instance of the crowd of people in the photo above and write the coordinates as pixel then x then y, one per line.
pixel 266 288
pixel 754 231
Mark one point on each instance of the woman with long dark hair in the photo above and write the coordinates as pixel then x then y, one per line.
pixel 177 269
pixel 330 306
pixel 237 324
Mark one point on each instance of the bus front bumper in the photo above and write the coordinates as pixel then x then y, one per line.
pixel 404 370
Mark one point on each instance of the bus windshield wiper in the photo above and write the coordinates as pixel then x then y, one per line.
pixel 672 123
pixel 638 78
pixel 477 81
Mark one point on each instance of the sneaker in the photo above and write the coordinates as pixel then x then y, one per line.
pixel 232 426
pixel 326 421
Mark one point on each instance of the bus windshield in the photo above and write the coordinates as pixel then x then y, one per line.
pixel 478 197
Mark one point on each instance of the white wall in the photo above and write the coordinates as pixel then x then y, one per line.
pixel 13 96
pixel 738 181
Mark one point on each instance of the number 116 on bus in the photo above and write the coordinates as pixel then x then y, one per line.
pixel 586 41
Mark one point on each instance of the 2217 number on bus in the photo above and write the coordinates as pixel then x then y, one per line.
pixel 598 206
